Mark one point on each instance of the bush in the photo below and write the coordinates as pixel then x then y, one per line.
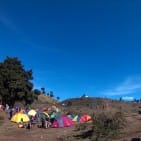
pixel 81 127
pixel 107 126
pixel 1 117
pixel 65 138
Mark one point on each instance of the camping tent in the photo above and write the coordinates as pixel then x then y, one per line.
pixel 62 121
pixel 32 113
pixel 86 118
pixel 18 117
pixel 46 114
pixel 76 118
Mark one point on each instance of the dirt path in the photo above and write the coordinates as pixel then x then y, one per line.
pixel 132 129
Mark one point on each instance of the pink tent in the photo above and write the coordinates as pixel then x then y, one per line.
pixel 62 121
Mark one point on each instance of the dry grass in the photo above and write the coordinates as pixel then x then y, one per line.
pixel 46 99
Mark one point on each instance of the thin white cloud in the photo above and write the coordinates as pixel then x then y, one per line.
pixel 128 98
pixel 39 47
pixel 130 85
pixel 8 23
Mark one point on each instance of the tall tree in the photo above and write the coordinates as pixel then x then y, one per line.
pixel 15 84
pixel 51 94
pixel 43 90
pixel 37 92
pixel 58 98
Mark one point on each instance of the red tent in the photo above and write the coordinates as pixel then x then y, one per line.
pixel 86 118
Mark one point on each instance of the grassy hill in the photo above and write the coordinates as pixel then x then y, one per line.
pixel 95 105
pixel 44 101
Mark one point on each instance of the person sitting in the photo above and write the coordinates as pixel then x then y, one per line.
pixel 21 124
pixel 29 125
pixel 1 107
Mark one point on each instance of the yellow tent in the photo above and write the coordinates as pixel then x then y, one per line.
pixel 75 119
pixel 18 117
pixel 46 114
pixel 32 113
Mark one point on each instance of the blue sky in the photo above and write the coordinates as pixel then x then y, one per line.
pixel 77 46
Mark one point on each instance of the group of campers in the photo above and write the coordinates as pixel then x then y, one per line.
pixel 26 118
pixel 44 117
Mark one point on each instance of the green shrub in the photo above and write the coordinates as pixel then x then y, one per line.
pixel 1 117
pixel 107 126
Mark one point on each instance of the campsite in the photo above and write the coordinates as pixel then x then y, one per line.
pixel 70 70
pixel 131 130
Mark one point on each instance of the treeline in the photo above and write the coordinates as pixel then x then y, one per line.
pixel 16 83
pixel 43 91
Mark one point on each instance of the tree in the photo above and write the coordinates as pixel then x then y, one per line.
pixel 15 82
pixel 51 94
pixel 58 98
pixel 48 94
pixel 43 90
pixel 37 92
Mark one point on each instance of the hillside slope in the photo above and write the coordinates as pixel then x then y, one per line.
pixel 132 129
pixel 94 105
